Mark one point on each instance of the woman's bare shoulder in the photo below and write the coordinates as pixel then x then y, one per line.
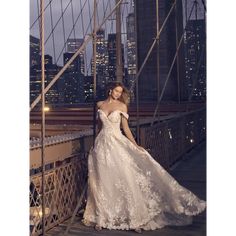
pixel 99 103
pixel 123 107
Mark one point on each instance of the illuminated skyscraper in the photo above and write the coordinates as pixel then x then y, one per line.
pixel 131 52
pixel 195 59
pixel 101 63
pixel 73 80
pixel 72 46
pixel 34 51
pixel 146 22
pixel 53 95
pixel 112 56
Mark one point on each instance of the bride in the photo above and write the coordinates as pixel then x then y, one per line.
pixel 127 188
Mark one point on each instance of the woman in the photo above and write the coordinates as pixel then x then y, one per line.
pixel 127 188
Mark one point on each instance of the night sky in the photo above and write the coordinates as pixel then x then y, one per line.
pixel 78 32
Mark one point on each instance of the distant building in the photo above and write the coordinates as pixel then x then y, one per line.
pixel 111 47
pixel 72 46
pixel 73 80
pixel 34 51
pixel 88 89
pixel 131 53
pixel 146 22
pixel 52 97
pixel 112 57
pixel 195 59
pixel 102 74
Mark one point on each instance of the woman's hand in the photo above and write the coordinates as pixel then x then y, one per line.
pixel 140 147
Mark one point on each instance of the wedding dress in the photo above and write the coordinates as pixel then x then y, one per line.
pixel 128 189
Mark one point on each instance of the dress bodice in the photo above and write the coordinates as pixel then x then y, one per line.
pixel 112 120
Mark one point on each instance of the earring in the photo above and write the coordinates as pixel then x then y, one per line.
pixel 110 92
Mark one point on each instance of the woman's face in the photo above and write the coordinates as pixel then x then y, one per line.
pixel 116 92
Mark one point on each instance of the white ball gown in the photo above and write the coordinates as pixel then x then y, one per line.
pixel 128 189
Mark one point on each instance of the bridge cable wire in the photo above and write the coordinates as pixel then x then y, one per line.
pixel 156 39
pixel 39 14
pixel 42 115
pixel 73 19
pixel 91 30
pixel 69 36
pixel 57 23
pixel 85 51
pixel 53 40
pixel 63 24
pixel 171 67
pixel 35 102
pixel 38 18
pixel 112 17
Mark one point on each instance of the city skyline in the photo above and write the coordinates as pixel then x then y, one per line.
pixel 78 32
pixel 145 33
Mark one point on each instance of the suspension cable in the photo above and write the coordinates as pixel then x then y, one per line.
pixel 39 15
pixel 73 19
pixel 57 23
pixel 104 10
pixel 63 24
pixel 85 52
pixel 112 17
pixel 34 103
pixel 53 40
pixel 204 5
pixel 69 36
pixel 168 75
pixel 42 113
pixel 97 13
pixel 156 40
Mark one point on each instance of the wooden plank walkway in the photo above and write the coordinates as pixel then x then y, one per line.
pixel 191 173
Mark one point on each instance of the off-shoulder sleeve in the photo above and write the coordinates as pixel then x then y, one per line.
pixel 125 115
pixel 97 115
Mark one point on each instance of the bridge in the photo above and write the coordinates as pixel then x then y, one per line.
pixel 166 84
pixel 190 172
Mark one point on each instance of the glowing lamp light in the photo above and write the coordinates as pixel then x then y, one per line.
pixel 46 109
pixel 191 140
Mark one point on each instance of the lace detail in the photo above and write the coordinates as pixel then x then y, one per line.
pixel 128 189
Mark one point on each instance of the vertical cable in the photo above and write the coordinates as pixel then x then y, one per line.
pixel 137 81
pixel 53 40
pixel 63 24
pixel 85 52
pixel 42 113
pixel 111 29
pixel 94 69
pixel 97 14
pixel 73 19
pixel 186 11
pixel 177 59
pixel 104 10
pixel 158 53
pixel 89 7
pixel 39 14
pixel 91 30
pixel 119 69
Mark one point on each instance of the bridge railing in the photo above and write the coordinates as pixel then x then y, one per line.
pixel 169 139
pixel 66 163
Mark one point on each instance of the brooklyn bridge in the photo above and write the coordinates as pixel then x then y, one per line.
pixel 157 48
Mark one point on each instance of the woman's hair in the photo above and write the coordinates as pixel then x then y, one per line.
pixel 125 96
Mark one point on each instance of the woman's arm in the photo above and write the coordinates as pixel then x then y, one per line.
pixel 127 130
pixel 125 127
pixel 99 123
pixel 99 126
